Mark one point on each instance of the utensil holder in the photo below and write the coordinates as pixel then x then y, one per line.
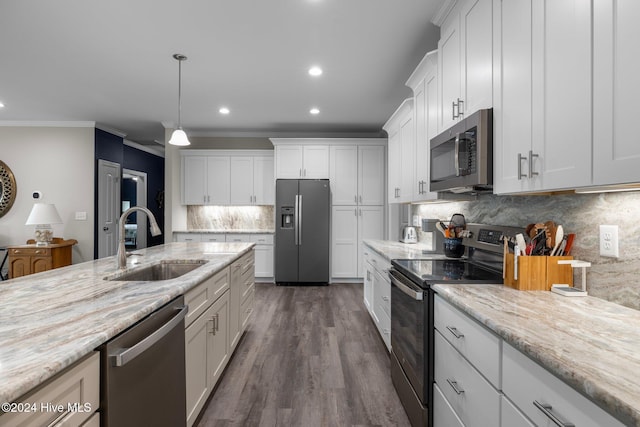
pixel 536 273
pixel 453 248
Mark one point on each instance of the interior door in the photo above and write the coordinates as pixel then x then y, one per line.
pixel 108 207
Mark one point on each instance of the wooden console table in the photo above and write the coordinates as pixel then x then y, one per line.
pixel 29 258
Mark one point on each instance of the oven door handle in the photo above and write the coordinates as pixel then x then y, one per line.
pixel 395 280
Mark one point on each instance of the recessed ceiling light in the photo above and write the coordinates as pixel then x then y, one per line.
pixel 1 104
pixel 314 111
pixel 315 71
pixel 224 110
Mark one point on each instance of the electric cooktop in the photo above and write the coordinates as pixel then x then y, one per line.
pixel 426 272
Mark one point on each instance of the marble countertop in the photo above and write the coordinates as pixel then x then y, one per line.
pixel 390 249
pixel 591 344
pixel 228 231
pixel 50 320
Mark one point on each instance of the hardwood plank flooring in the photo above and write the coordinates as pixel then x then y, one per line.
pixel 311 356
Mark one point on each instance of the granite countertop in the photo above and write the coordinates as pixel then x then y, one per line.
pixel 228 231
pixel 591 344
pixel 390 249
pixel 54 318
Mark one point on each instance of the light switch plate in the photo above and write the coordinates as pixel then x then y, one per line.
pixel 81 216
pixel 609 241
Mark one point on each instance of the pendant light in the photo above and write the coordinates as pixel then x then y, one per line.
pixel 179 137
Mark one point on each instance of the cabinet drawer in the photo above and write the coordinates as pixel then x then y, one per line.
pixel 219 283
pixel 246 309
pixel 30 251
pixel 211 237
pixel 511 416
pixel 186 237
pixel 525 383
pixel 78 386
pixel 443 413
pixel 206 293
pixel 263 239
pixel 480 346
pixel 239 238
pixel 472 397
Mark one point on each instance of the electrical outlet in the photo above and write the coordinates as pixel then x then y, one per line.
pixel 609 241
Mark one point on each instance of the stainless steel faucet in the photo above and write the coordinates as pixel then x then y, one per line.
pixel 153 228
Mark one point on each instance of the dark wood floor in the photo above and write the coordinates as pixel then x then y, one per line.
pixel 310 357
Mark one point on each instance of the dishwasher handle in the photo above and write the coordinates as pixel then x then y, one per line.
pixel 125 355
pixel 405 287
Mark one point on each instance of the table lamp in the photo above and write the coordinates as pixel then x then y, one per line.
pixel 42 216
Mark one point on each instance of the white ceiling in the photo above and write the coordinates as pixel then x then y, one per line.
pixel 111 62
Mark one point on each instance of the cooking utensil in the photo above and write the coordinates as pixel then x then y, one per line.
pixel 558 239
pixel 441 228
pixel 570 240
pixel 521 244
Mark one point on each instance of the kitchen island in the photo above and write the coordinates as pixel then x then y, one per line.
pixel 51 320
pixel 590 344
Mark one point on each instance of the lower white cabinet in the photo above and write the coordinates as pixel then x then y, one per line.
pixel 377 292
pixel 443 413
pixel 369 272
pixel 78 386
pixel 218 308
pixel 511 416
pixel 264 252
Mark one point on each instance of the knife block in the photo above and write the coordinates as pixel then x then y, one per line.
pixel 537 273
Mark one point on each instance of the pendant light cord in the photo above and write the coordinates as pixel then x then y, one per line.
pixel 179 57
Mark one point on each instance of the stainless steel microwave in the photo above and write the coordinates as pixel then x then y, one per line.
pixel 462 156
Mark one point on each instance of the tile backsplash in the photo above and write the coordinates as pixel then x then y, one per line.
pixel 230 218
pixel 616 280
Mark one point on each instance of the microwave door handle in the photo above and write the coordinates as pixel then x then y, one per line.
pixel 457 154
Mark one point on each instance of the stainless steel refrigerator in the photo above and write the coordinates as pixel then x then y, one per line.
pixel 302 231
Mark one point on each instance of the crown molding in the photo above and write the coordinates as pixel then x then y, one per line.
pixel 51 124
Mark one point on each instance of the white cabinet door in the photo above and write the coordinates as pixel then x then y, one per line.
pixel 235 291
pixel 344 174
pixel 344 249
pixel 198 383
pixel 616 91
pixel 513 95
pixel 449 70
pixel 476 35
pixel 288 161
pixel 370 175
pixel 407 161
pixel 219 345
pixel 194 180
pixel 264 260
pixel 370 227
pixel 264 186
pixel 561 94
pixel 187 237
pixel 315 163
pixel 218 184
pixel 241 180
pixel 395 166
pixel 511 416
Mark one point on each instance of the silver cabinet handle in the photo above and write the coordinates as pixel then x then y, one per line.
pixel 547 410
pixel 385 298
pixel 457 154
pixel 204 198
pixel 360 198
pixel 217 321
pixel 212 331
pixel 305 172
pixel 300 175
pixel 460 105
pixel 455 332
pixel 355 199
pixel 531 156
pixel 454 386
pixel 520 159
pixel 355 211
pixel 360 212
pixel 453 110
pixel 126 355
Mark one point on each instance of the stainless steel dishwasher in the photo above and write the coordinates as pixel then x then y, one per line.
pixel 143 372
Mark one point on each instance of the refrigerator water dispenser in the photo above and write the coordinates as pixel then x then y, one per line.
pixel 287 214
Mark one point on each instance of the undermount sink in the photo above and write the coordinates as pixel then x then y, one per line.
pixel 165 270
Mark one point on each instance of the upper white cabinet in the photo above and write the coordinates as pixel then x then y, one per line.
pixel 227 177
pixel 401 161
pixel 615 91
pixel 465 56
pixel 542 94
pixel 424 83
pixel 357 174
pixel 297 160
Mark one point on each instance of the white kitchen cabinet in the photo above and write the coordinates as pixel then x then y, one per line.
pixel 377 292
pixel 196 361
pixel 219 348
pixel 401 160
pixel 443 413
pixel 546 396
pixel 542 94
pixel 357 174
pixel 424 83
pixel 511 416
pixel 228 177
pixel 350 226
pixel 187 237
pixel 369 271
pixel 465 56
pixel 616 91
pixel 264 252
pixel 78 385
pixel 301 161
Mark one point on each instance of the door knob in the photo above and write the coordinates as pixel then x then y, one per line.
pixel 105 228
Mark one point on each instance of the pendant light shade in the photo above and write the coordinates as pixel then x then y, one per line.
pixel 179 137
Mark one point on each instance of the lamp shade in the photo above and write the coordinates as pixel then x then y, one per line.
pixel 44 213
pixel 179 137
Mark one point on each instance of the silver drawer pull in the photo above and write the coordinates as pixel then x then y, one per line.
pixel 455 332
pixel 547 410
pixel 454 386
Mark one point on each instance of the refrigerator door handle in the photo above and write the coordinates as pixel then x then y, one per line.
pixel 300 220
pixel 296 217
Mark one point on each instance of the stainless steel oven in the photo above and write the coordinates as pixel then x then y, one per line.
pixel 462 156
pixel 412 331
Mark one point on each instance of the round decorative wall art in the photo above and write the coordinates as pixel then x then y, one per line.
pixel 8 189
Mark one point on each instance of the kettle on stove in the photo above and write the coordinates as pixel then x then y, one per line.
pixel 408 234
